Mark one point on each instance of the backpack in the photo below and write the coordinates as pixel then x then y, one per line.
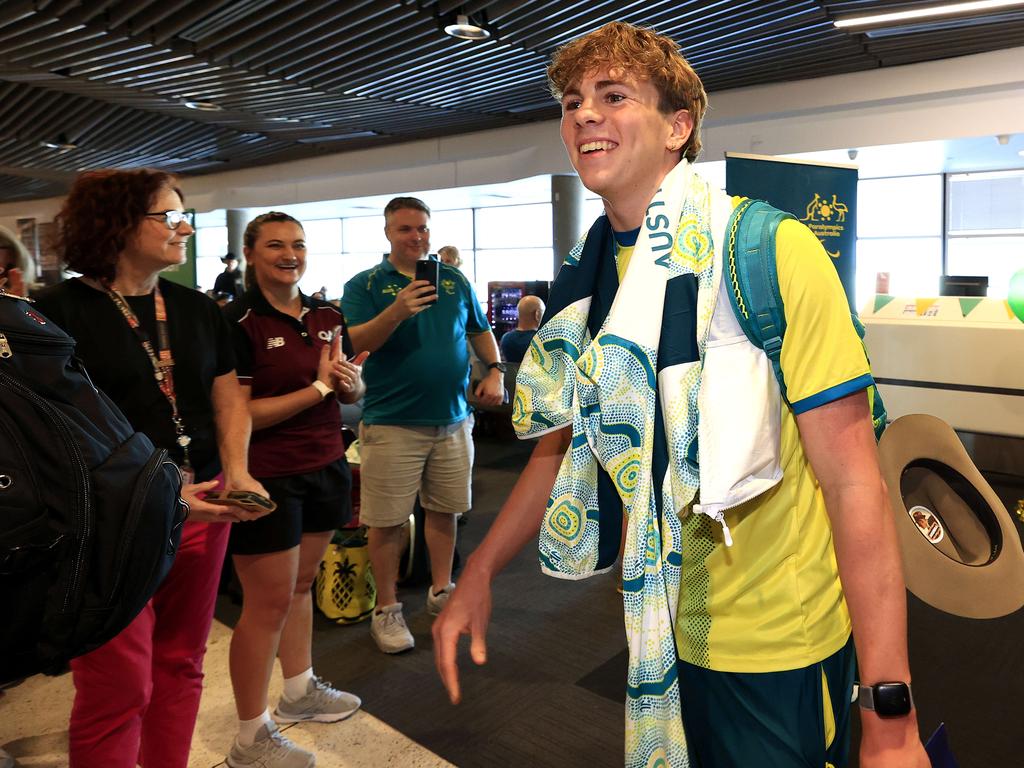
pixel 755 295
pixel 90 513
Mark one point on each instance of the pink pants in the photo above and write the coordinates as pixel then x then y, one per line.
pixel 136 698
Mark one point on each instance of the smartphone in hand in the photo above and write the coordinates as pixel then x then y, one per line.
pixel 429 270
pixel 245 499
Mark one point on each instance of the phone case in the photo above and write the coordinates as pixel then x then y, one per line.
pixel 244 499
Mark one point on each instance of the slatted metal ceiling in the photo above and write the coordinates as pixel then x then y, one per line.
pixel 296 78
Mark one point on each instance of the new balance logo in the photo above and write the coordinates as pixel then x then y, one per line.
pixel 275 341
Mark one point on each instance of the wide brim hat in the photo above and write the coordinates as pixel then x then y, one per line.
pixel 961 550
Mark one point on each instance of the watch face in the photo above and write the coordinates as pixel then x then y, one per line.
pixel 892 699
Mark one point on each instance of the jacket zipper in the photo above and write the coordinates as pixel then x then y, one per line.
pixel 81 470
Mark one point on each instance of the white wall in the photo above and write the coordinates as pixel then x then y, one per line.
pixel 967 96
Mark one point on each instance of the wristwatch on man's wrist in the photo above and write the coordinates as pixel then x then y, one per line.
pixel 499 365
pixel 322 388
pixel 886 699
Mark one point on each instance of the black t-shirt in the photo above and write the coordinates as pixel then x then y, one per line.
pixel 117 363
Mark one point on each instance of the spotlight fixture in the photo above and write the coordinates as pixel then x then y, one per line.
pixel 61 144
pixel 464 29
pixel 1003 139
pixel 203 106
pixel 948 9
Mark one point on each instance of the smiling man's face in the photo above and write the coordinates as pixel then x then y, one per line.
pixel 619 141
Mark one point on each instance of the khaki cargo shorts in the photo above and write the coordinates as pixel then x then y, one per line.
pixel 397 462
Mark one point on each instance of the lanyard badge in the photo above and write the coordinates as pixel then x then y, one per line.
pixel 163 366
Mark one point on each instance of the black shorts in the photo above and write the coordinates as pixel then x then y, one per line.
pixel 312 502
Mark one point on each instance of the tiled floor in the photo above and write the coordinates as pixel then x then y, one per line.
pixel 34 716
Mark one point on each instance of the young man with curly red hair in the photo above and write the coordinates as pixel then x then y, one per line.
pixel 759 547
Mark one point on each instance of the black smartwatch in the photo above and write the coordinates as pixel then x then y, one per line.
pixel 499 365
pixel 886 699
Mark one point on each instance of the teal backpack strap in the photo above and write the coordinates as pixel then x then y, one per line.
pixel 753 279
pixel 755 294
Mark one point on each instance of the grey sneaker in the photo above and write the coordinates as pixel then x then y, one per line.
pixel 388 629
pixel 436 603
pixel 269 750
pixel 322 704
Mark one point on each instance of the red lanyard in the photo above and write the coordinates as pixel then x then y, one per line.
pixel 161 359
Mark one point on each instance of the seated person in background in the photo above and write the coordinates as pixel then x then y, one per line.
pixel 449 254
pixel 515 343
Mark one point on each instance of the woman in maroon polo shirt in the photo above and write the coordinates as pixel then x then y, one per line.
pixel 293 363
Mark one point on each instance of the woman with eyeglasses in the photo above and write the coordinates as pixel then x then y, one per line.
pixel 163 353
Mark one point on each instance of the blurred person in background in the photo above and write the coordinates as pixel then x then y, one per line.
pixel 17 267
pixel 449 254
pixel 229 281
pixel 516 342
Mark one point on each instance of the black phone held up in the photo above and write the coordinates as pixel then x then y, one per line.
pixel 428 269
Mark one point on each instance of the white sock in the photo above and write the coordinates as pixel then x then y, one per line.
pixel 295 687
pixel 247 729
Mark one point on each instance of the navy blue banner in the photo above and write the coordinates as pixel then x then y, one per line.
pixel 824 197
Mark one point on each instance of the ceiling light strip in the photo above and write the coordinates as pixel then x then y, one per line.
pixel 924 13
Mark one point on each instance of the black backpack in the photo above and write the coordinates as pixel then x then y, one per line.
pixel 90 513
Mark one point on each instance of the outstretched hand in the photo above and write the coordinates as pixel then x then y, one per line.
pixel 468 612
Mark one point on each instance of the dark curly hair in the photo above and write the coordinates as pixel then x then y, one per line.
pixel 252 234
pixel 100 214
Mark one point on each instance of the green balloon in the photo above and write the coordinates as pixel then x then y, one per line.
pixel 1015 297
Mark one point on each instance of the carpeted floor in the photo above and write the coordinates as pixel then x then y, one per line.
pixel 524 708
pixel 551 693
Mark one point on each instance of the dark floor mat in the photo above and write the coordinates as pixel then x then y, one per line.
pixel 609 679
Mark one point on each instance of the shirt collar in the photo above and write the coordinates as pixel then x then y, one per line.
pixel 261 306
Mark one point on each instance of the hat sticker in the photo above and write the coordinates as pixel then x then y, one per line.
pixel 927 523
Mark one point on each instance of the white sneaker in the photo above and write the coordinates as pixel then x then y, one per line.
pixel 323 703
pixel 269 750
pixel 436 603
pixel 389 631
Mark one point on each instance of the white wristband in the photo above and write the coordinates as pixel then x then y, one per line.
pixel 322 388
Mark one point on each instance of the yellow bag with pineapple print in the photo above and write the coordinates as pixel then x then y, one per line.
pixel 345 590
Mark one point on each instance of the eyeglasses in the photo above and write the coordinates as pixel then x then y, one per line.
pixel 173 219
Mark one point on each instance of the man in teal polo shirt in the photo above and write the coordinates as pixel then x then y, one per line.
pixel 415 437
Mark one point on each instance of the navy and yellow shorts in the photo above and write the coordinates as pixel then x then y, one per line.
pixel 799 718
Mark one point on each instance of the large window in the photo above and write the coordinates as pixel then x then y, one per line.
pixel 899 231
pixel 211 244
pixel 513 242
pixel 985 232
pixel 323 256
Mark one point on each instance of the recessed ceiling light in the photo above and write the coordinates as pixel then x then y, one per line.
pixel 924 13
pixel 61 144
pixel 1021 152
pixel 203 106
pixel 465 30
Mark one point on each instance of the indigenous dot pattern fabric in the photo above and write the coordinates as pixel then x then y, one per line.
pixel 608 387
